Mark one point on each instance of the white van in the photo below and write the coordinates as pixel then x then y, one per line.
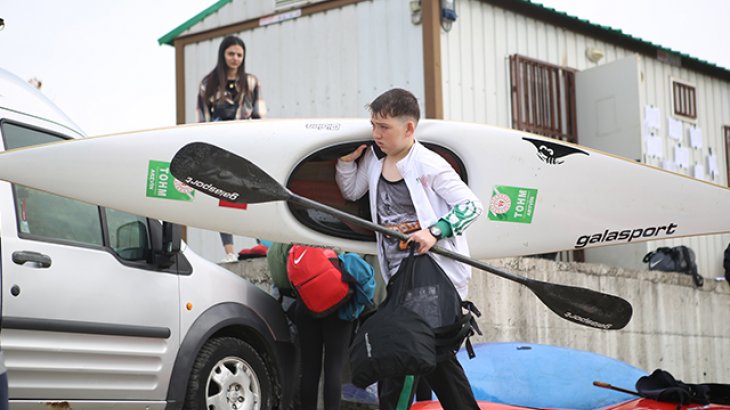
pixel 102 309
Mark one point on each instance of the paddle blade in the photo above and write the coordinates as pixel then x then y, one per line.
pixel 583 306
pixel 225 175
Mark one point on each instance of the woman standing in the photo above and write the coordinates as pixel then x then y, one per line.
pixel 228 92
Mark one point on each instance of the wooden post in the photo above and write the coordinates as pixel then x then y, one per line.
pixel 433 87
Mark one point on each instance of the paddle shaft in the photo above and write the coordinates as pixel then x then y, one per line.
pixel 579 305
pixel 308 203
pixel 612 387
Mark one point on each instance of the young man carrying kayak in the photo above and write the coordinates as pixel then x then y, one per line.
pixel 411 186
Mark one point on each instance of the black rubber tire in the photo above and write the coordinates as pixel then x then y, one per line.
pixel 229 374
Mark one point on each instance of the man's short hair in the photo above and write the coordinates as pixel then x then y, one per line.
pixel 396 103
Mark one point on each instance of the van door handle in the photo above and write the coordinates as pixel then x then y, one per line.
pixel 21 257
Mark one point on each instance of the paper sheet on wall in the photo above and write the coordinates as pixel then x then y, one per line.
pixel 712 164
pixel 674 129
pixel 652 117
pixel 681 156
pixel 654 146
pixel 669 165
pixel 699 171
pixel 695 137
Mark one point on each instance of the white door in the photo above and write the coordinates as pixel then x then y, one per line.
pixel 608 112
pixel 608 108
pixel 84 316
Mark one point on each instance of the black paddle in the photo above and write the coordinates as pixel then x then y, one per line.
pixel 225 175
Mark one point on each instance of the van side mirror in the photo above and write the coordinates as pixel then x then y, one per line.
pixel 166 243
pixel 131 241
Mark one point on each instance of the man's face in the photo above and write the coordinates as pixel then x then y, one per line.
pixel 392 134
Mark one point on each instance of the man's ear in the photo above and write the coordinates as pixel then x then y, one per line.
pixel 410 128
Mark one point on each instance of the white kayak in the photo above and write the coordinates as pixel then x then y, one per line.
pixel 540 195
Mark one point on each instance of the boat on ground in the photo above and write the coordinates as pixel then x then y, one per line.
pixel 518 376
pixel 543 376
pixel 635 404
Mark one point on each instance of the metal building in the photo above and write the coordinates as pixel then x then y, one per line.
pixel 510 63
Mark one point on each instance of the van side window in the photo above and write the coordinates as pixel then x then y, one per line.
pixel 17 136
pixel 41 215
pixel 128 235
pixel 50 216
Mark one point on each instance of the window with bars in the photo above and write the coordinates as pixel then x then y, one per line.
pixel 726 134
pixel 684 99
pixel 543 98
pixel 543 103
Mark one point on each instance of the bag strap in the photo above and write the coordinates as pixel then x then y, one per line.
pixel 647 257
pixel 691 266
pixel 450 337
pixel 473 326
pixel 409 273
pixel 662 249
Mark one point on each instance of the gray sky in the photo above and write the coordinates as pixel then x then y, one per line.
pixel 698 27
pixel 100 62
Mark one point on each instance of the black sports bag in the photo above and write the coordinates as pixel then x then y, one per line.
pixel 420 320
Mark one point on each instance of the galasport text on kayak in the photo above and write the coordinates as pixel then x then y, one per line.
pixel 627 234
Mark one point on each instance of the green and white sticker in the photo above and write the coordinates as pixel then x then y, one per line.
pixel 512 204
pixel 161 183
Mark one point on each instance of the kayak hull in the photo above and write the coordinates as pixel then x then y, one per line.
pixel 636 404
pixel 540 195
pixel 538 376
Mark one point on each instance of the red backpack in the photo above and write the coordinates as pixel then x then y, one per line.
pixel 317 279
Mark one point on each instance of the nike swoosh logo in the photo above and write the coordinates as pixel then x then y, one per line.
pixel 651 265
pixel 299 259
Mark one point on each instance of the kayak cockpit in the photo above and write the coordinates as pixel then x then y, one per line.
pixel 314 178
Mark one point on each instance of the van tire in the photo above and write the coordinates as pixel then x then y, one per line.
pixel 242 383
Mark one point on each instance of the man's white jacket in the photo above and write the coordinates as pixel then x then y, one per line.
pixel 435 189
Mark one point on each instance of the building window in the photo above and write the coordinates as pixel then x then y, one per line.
pixel 543 103
pixel 543 98
pixel 684 99
pixel 726 134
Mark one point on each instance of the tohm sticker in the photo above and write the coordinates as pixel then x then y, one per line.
pixel 161 183
pixel 512 204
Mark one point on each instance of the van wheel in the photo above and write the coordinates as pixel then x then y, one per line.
pixel 228 375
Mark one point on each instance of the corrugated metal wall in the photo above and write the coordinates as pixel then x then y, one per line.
pixel 325 64
pixel 328 64
pixel 333 63
pixel 232 13
pixel 477 89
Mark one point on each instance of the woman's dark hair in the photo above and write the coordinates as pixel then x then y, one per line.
pixel 217 78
